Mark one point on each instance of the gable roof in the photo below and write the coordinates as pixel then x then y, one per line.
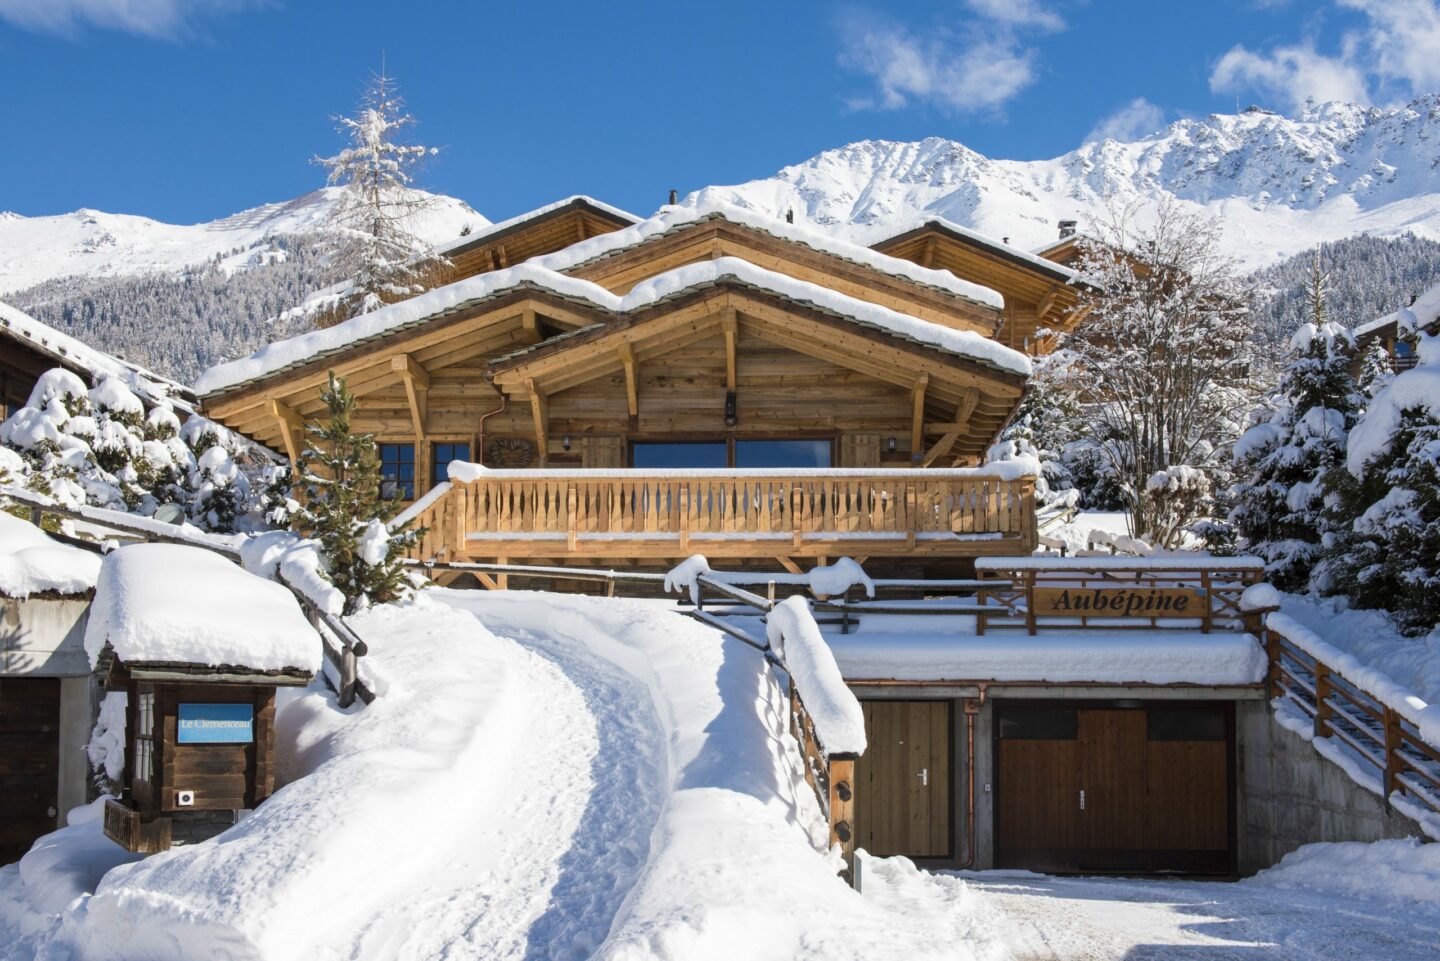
pixel 672 219
pixel 1017 256
pixel 497 232
pixel 1423 314
pixel 307 348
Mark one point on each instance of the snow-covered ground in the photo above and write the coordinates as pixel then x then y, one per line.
pixel 1371 636
pixel 1325 902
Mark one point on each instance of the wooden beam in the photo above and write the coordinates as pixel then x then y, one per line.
pixel 927 258
pixel 530 324
pixel 292 427
pixel 917 419
pixel 730 326
pixel 1047 304
pixel 540 412
pixel 417 391
pixel 632 390
pixel 962 418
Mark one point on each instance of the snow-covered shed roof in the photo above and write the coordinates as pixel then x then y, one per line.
pixel 33 562
pixel 534 274
pixel 674 218
pixel 171 604
pixel 498 231
pixel 1424 315
pixel 73 354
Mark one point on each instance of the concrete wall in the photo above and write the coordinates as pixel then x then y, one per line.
pixel 1290 795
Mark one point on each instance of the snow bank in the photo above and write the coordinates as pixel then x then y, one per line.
pixel 296 350
pixel 64 865
pixel 1121 657
pixel 795 637
pixel 1407 870
pixel 672 218
pixel 1374 682
pixel 32 562
pixel 169 603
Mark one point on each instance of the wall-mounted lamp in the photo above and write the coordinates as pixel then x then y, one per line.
pixel 565 442
pixel 730 415
pixel 890 445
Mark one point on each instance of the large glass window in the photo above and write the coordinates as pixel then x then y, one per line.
pixel 443 455
pixel 782 453
pixel 680 456
pixel 397 472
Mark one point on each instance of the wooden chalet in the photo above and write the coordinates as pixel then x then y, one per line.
pixel 703 381
pixel 1398 331
pixel 1041 294
pixel 538 232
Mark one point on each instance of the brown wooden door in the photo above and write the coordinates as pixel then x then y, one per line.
pixel 903 790
pixel 29 761
pixel 1092 787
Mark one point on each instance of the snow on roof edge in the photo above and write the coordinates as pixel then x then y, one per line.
pixel 281 354
pixel 1425 310
pixel 504 225
pixel 1071 274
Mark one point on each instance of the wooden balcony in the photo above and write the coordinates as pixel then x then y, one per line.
pixel 735 514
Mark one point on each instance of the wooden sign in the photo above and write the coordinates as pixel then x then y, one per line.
pixel 1139 602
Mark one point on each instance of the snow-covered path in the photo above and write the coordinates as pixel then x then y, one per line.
pixel 1041 918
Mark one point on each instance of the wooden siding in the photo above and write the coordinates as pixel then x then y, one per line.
pixel 541 235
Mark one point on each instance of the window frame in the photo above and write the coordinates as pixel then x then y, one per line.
pixel 400 494
pixel 729 440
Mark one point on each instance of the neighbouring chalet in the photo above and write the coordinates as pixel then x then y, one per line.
pixel 707 380
pixel 29 348
pixel 1396 331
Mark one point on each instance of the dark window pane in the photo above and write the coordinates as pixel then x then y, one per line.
pixel 1038 723
pixel 444 454
pixel 782 453
pixel 397 471
pixel 1185 723
pixel 680 456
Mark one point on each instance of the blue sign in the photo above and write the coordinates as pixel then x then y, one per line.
pixel 216 724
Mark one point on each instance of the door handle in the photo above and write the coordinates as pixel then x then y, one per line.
pixel 924 776
pixel 1082 799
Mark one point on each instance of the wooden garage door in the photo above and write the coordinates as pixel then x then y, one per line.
pixel 29 761
pixel 902 796
pixel 1095 788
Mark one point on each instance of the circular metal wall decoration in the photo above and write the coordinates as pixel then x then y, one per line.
pixel 510 453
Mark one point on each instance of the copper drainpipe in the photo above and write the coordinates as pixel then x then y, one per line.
pixel 480 434
pixel 972 708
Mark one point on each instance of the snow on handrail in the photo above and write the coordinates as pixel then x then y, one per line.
pixel 832 706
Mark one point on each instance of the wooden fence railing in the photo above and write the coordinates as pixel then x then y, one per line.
pixel 1379 729
pixel 1114 594
pixel 739 513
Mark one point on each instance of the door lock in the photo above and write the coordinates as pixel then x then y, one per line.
pixel 924 776
pixel 1082 799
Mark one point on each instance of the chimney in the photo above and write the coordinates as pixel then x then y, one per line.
pixel 1067 228
pixel 674 197
pixel 1005 240
pixel 790 216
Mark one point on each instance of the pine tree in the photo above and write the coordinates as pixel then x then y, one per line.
pixel 342 508
pixel 382 254
pixel 1295 441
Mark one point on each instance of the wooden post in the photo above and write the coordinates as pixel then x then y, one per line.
pixel 1209 603
pixel 1274 652
pixel 842 811
pixel 572 538
pixel 1391 780
pixel 684 517
pixel 348 676
pixel 1029 600
pixel 1322 697
pixel 981 597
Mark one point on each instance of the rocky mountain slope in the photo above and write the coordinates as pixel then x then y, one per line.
pixel 1280 184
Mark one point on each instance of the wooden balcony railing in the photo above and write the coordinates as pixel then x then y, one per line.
pixel 729 513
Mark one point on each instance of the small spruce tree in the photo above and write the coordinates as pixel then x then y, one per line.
pixel 342 509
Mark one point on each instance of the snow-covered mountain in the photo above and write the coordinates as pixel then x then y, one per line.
pixel 1280 184
pixel 94 244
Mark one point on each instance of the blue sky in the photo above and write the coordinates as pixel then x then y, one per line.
pixel 186 110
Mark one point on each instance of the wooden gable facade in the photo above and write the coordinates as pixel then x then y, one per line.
pixel 1040 294
pixel 864 369
pixel 532 235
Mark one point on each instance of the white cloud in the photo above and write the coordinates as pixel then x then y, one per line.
pixel 978 67
pixel 1021 13
pixel 1293 74
pixel 155 18
pixel 1131 122
pixel 1393 53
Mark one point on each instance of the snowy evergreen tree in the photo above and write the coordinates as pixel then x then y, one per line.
pixel 384 258
pixel 342 509
pixel 1297 439
pixel 1161 369
pixel 1388 554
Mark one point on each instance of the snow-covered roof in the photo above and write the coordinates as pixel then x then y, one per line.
pixel 1020 254
pixel 1119 657
pixel 496 230
pixel 673 218
pixel 171 604
pixel 32 562
pixel 1188 561
pixel 471 291
pixel 1421 315
pixel 77 355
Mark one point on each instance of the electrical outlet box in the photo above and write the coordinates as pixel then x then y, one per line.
pixel 185 799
